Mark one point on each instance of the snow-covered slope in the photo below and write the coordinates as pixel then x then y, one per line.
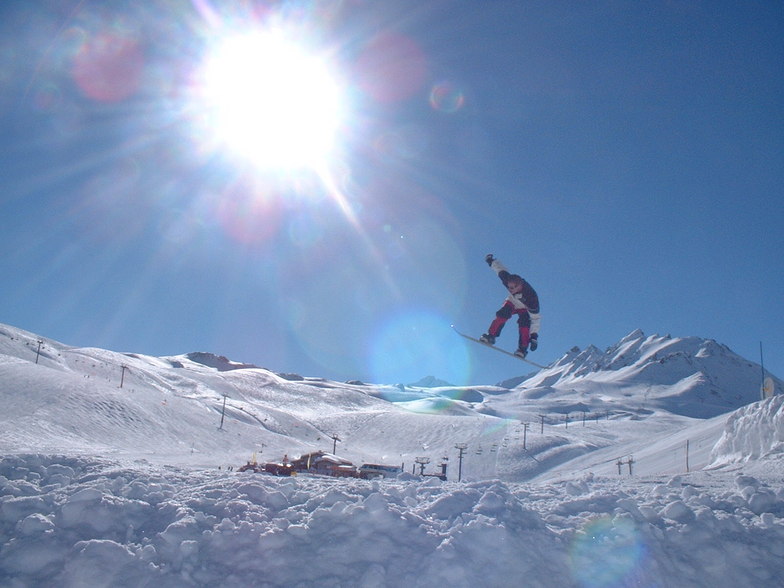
pixel 594 472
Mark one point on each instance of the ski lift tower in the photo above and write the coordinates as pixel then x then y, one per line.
pixel 461 447
pixel 422 461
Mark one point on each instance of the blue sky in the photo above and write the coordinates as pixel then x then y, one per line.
pixel 624 157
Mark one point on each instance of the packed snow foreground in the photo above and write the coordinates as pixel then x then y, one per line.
pixel 109 486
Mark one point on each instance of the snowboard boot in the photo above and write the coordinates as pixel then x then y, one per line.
pixel 521 353
pixel 486 338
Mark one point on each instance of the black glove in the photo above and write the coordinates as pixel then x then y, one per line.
pixel 489 259
pixel 534 342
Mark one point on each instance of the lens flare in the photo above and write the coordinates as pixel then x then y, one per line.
pixel 108 67
pixel 608 552
pixel 446 97
pixel 403 143
pixel 414 344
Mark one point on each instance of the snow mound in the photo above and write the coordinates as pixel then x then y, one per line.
pixel 753 432
pixel 71 522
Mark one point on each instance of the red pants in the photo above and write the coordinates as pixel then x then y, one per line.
pixel 523 324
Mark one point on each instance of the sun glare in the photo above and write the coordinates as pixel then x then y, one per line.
pixel 271 102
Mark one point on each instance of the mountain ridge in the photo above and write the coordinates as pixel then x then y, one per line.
pixel 706 377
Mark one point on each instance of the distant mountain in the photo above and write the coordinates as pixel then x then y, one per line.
pixel 690 376
pixel 429 382
pixel 219 362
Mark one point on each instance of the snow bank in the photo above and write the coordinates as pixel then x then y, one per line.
pixel 84 522
pixel 752 432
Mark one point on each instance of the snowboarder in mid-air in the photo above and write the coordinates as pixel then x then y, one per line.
pixel 522 301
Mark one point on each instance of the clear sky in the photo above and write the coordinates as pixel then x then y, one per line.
pixel 626 157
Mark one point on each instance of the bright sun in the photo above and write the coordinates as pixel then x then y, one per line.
pixel 271 102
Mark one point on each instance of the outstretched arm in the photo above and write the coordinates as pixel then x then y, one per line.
pixel 497 267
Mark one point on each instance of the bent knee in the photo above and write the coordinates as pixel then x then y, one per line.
pixel 504 313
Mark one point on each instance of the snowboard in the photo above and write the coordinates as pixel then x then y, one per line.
pixel 504 351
